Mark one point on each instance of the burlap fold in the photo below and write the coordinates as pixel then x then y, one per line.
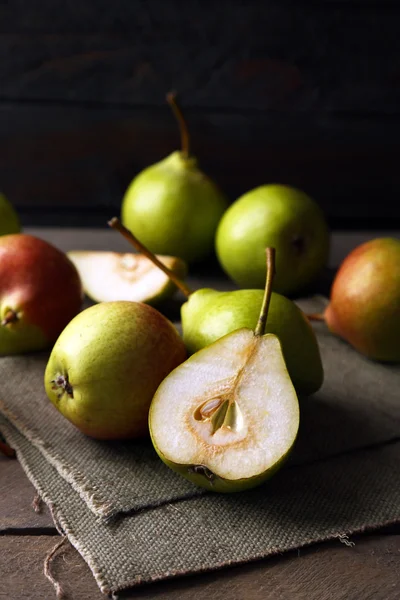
pixel 300 506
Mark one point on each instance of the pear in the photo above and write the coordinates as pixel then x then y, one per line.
pixel 172 206
pixel 209 315
pixel 40 292
pixel 228 417
pixel 279 216
pixel 9 221
pixel 106 365
pixel 364 306
pixel 110 276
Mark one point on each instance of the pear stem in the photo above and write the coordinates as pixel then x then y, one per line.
pixel 316 317
pixel 10 317
pixel 116 224
pixel 262 319
pixel 171 99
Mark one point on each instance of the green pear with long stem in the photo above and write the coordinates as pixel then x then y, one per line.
pixel 227 418
pixel 210 314
pixel 172 206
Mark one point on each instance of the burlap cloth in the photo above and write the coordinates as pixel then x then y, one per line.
pixel 134 521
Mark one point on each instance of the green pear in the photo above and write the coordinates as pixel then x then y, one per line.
pixel 210 314
pixel 364 306
pixel 9 221
pixel 228 417
pixel 172 206
pixel 109 276
pixel 284 218
pixel 107 364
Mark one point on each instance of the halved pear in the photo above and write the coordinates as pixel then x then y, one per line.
pixel 112 276
pixel 228 416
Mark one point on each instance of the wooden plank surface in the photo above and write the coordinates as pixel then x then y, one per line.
pixel 16 497
pixel 71 166
pixel 369 570
pixel 104 238
pixel 296 56
pixel 303 93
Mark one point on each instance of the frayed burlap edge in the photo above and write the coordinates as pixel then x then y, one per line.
pixel 63 528
pixel 89 493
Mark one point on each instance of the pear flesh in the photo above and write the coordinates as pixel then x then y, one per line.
pixel 112 276
pixel 228 416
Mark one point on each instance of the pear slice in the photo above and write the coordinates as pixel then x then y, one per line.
pixel 113 276
pixel 228 416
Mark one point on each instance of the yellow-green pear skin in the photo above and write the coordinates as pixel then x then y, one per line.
pixel 107 364
pixel 277 216
pixel 202 477
pixel 209 315
pixel 228 417
pixel 364 307
pixel 173 208
pixel 9 220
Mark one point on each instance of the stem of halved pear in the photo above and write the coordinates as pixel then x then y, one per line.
pixel 262 319
pixel 171 99
pixel 116 224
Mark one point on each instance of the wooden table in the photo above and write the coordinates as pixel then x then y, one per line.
pixel 366 567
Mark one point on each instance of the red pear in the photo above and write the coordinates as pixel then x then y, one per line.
pixel 364 306
pixel 40 292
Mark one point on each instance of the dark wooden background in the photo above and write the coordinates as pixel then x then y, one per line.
pixel 299 92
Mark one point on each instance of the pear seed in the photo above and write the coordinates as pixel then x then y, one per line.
pixel 234 418
pixel 218 418
pixel 210 407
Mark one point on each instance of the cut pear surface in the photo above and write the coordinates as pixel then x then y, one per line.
pixel 112 276
pixel 228 416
